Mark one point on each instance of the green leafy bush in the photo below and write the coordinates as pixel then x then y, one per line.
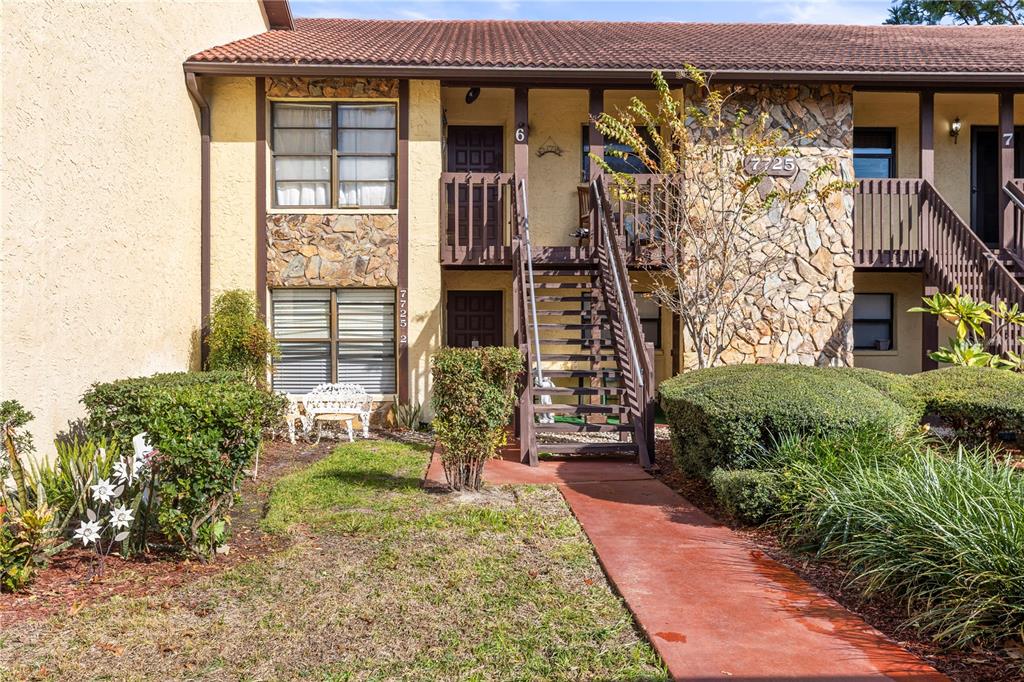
pixel 238 339
pixel 473 399
pixel 937 530
pixel 207 428
pixel 724 416
pixel 979 402
pixel 749 495
pixel 118 410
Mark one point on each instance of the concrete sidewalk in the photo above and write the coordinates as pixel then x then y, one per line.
pixel 713 605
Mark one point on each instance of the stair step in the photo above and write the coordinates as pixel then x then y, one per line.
pixel 565 325
pixel 566 299
pixel 563 427
pixel 577 357
pixel 582 373
pixel 573 342
pixel 564 409
pixel 585 272
pixel 578 390
pixel 587 448
pixel 564 285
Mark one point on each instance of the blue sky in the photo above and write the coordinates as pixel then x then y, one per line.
pixel 808 11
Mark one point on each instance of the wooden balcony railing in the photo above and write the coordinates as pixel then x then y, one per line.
pixel 476 218
pixel 887 223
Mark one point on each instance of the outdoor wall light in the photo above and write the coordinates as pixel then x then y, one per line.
pixel 954 129
pixel 472 94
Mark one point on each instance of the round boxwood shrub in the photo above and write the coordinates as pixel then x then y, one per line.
pixel 900 388
pixel 724 416
pixel 750 495
pixel 980 403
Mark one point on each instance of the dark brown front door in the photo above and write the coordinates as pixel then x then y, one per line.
pixel 475 319
pixel 475 149
pixel 985 188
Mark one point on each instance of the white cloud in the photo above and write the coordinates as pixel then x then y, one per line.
pixel 832 12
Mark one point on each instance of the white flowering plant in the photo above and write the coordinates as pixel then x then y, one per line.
pixel 116 502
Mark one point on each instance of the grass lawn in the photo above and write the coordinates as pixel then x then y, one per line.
pixel 384 581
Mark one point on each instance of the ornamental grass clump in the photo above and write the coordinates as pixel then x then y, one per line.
pixel 473 398
pixel 938 530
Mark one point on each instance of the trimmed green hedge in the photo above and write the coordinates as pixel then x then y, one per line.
pixel 725 416
pixel 979 402
pixel 749 495
pixel 207 428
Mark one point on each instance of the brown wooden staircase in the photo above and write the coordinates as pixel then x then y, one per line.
pixel 590 385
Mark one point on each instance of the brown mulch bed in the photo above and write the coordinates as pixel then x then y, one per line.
pixel 830 578
pixel 67 583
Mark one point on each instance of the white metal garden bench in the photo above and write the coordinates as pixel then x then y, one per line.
pixel 342 403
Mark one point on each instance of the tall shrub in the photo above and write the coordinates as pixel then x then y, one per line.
pixel 473 399
pixel 238 339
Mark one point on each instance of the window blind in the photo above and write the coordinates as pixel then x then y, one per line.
pixel 366 338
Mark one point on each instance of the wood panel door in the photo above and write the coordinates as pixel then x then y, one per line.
pixel 475 318
pixel 476 149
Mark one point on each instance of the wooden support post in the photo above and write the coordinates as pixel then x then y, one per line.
pixel 521 135
pixel 403 241
pixel 929 334
pixel 926 119
pixel 261 197
pixel 594 138
pixel 677 346
pixel 1006 167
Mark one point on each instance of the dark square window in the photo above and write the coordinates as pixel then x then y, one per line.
pixel 872 322
pixel 874 153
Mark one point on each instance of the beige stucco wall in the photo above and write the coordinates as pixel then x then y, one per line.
pixel 907 289
pixel 99 265
pixel 232 183
pixel 425 294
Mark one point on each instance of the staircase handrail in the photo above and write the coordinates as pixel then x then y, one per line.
pixel 524 216
pixel 990 279
pixel 527 433
pixel 636 364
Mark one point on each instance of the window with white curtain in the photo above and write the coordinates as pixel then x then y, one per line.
pixel 340 155
pixel 334 335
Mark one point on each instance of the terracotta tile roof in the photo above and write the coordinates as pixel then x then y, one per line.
pixel 586 45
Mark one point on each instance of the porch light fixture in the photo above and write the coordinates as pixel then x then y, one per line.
pixel 472 94
pixel 954 129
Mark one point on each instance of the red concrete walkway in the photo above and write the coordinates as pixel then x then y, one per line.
pixel 713 606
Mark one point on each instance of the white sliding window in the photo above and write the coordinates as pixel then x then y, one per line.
pixel 340 335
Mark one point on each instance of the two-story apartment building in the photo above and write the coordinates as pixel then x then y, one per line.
pixel 363 180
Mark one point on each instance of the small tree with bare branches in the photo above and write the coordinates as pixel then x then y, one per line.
pixel 717 222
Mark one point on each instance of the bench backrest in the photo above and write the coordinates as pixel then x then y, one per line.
pixel 327 398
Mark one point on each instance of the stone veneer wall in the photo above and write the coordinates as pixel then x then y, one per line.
pixel 803 312
pixel 332 250
pixel 326 248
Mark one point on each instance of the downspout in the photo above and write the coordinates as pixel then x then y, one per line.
pixel 192 84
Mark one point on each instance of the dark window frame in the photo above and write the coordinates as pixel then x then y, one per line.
pixel 657 338
pixel 585 153
pixel 333 335
pixel 891 320
pixel 892 133
pixel 334 180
